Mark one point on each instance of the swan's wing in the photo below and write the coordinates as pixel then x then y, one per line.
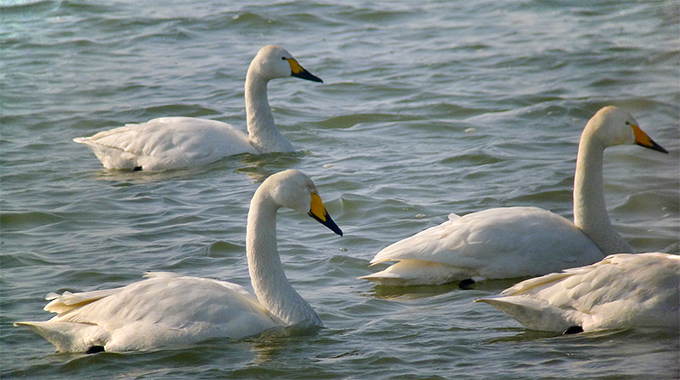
pixel 621 291
pixel 61 303
pixel 499 243
pixel 162 310
pixel 167 143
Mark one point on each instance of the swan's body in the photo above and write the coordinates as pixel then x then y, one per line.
pixel 621 291
pixel 521 241
pixel 487 244
pixel 180 142
pixel 170 310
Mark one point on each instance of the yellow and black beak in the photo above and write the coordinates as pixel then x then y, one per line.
pixel 299 72
pixel 643 140
pixel 318 211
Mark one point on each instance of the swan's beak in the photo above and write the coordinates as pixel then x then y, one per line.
pixel 642 139
pixel 318 211
pixel 300 72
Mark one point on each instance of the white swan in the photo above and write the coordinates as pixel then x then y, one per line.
pixel 180 142
pixel 521 241
pixel 621 291
pixel 169 309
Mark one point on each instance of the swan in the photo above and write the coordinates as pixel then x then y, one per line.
pixel 169 309
pixel 521 241
pixel 179 142
pixel 621 291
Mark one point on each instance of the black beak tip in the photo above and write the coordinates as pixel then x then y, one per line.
pixel 313 78
pixel 304 74
pixel 332 226
pixel 655 147
pixel 329 223
pixel 661 149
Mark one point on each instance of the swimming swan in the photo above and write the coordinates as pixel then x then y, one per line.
pixel 180 142
pixel 621 291
pixel 521 241
pixel 170 309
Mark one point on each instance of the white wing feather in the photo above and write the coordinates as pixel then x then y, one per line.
pixel 167 143
pixel 498 243
pixel 621 291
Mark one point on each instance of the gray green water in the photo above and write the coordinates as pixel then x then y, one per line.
pixel 427 108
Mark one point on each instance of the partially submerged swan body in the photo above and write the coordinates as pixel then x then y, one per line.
pixel 168 309
pixel 621 291
pixel 181 142
pixel 521 241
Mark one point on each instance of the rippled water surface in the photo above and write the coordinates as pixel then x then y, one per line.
pixel 427 108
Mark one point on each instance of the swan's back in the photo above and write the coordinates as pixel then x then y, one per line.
pixel 167 143
pixel 620 291
pixel 499 243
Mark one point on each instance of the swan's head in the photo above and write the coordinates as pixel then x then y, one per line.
pixel 276 62
pixel 293 189
pixel 614 126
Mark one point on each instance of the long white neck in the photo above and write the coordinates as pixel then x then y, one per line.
pixel 266 271
pixel 264 135
pixel 590 211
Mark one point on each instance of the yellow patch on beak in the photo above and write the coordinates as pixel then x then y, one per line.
pixel 317 209
pixel 643 140
pixel 294 66
pixel 300 72
pixel 640 136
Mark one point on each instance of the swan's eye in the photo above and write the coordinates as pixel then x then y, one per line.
pixel 283 58
pixel 627 123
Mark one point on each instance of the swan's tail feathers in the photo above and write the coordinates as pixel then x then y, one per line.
pixel 533 313
pixel 111 156
pixel 453 216
pixel 383 278
pixel 68 336
pixel 161 274
pixel 61 303
pixel 417 272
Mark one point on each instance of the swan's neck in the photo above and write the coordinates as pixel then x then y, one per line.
pixel 266 271
pixel 590 211
pixel 264 135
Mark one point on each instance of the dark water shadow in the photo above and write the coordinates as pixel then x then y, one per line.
pixel 489 287
pixel 256 167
